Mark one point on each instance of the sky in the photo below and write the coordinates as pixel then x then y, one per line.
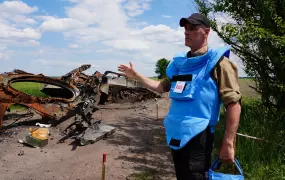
pixel 53 37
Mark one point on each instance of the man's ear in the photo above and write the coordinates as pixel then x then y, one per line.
pixel 207 30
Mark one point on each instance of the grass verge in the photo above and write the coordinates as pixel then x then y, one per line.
pixel 260 160
pixel 31 88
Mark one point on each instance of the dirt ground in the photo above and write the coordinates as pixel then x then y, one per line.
pixel 137 148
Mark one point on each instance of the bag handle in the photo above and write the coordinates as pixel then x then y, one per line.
pixel 217 163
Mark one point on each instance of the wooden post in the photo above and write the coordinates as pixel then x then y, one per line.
pixel 156 111
pixel 104 166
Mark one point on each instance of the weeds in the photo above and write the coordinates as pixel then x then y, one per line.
pixel 259 159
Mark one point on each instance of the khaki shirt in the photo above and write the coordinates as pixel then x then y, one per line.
pixel 225 74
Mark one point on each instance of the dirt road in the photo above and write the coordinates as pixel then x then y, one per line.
pixel 137 149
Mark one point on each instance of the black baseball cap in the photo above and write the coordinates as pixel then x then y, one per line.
pixel 195 19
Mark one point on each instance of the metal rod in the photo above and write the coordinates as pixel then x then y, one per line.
pixel 104 166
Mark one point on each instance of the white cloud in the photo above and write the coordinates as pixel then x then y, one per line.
pixel 2 47
pixel 137 7
pixel 154 29
pixel 33 43
pixel 16 25
pixel 3 56
pixel 73 46
pixel 7 32
pixel 214 40
pixel 140 24
pixel 59 25
pixel 86 15
pixel 166 16
pixel 45 18
pixel 136 12
pixel 62 63
pixel 104 50
pixel 3 52
pixel 104 13
pixel 92 35
pixel 114 31
pixel 63 66
pixel 127 44
pixel 161 33
pixel 88 21
pixel 18 19
pixel 16 7
pixel 23 19
pixel 132 5
pixel 222 18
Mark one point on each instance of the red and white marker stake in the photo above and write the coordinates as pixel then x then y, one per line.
pixel 104 166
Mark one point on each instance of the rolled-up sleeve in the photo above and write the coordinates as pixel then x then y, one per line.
pixel 166 84
pixel 226 75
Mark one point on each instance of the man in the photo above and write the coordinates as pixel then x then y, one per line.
pixel 198 81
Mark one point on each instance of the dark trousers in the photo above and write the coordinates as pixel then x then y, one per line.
pixel 193 160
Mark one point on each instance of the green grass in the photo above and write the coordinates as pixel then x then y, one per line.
pixel 246 85
pixel 17 107
pixel 260 160
pixel 31 88
pixel 154 77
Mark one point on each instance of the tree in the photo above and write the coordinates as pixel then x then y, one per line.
pixel 256 31
pixel 161 66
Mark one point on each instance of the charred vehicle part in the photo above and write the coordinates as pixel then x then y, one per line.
pixel 119 88
pixel 74 95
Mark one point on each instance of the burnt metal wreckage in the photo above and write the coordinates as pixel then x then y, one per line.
pixel 73 95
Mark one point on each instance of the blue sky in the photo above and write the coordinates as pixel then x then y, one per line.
pixel 53 37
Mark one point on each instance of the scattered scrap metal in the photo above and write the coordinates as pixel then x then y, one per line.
pixel 74 95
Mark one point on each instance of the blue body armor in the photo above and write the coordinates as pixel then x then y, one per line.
pixel 195 102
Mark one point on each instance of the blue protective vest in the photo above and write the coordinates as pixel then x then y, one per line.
pixel 198 105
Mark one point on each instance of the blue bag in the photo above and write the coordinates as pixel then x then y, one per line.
pixel 220 176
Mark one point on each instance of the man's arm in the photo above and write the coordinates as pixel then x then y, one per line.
pixel 155 85
pixel 226 75
pixel 158 86
pixel 232 122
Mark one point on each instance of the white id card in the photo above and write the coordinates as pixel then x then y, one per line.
pixel 179 86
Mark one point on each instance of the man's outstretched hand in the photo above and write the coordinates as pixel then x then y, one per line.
pixel 128 71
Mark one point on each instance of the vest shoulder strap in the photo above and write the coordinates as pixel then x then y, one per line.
pixel 171 69
pixel 215 58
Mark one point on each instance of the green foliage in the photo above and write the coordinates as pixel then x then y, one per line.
pixel 160 68
pixel 256 31
pixel 259 159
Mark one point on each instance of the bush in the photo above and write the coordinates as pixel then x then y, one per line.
pixel 259 159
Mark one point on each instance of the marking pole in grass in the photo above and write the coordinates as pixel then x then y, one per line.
pixel 104 166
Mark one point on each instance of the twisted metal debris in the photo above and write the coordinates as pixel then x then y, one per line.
pixel 75 94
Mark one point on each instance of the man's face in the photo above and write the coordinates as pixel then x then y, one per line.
pixel 195 34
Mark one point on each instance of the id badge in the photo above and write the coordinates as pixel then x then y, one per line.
pixel 179 86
